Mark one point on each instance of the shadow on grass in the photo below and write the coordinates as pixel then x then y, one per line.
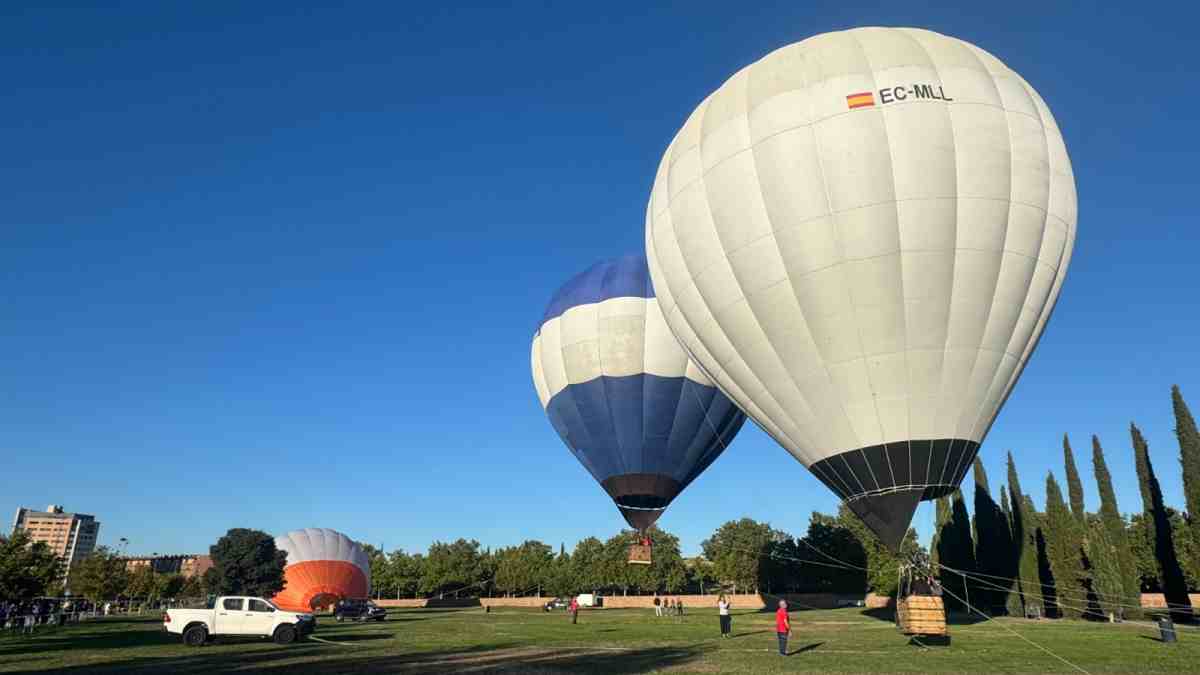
pixel 805 648
pixel 749 632
pixel 496 657
pixel 107 634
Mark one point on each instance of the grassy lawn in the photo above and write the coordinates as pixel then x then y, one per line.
pixel 607 641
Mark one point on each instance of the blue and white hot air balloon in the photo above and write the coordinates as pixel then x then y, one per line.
pixel 621 392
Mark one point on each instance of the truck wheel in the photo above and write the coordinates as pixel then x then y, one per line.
pixel 379 618
pixel 285 635
pixel 195 636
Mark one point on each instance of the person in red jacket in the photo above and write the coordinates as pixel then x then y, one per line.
pixel 783 627
pixel 573 608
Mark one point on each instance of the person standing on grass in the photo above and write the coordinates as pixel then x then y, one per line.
pixel 679 606
pixel 723 613
pixel 573 608
pixel 783 627
pixel 657 606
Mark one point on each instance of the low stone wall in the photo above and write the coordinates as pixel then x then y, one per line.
pixel 741 601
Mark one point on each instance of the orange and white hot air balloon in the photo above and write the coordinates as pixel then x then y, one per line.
pixel 323 566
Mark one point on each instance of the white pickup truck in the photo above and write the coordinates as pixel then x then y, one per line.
pixel 237 615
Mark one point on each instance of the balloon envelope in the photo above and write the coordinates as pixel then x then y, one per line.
pixel 621 392
pixel 860 238
pixel 323 566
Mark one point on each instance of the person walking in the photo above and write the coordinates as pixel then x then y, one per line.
pixel 658 606
pixel 723 614
pixel 573 608
pixel 783 627
pixel 679 607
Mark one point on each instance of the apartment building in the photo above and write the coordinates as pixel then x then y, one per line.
pixel 189 565
pixel 72 536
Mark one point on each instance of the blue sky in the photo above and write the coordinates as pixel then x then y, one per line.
pixel 277 266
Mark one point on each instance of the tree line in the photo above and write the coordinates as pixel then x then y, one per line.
pixel 245 562
pixel 1005 557
pixel 741 556
pixel 1068 561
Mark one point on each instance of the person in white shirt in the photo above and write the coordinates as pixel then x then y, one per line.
pixel 723 613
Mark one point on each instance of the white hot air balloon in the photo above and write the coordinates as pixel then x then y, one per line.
pixel 860 238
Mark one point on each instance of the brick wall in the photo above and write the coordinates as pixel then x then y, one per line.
pixel 1158 601
pixel 803 600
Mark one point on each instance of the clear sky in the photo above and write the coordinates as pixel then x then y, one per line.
pixel 276 266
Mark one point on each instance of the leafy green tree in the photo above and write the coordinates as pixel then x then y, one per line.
pixel 248 563
pixel 1170 572
pixel 700 574
pixel 1114 553
pixel 740 551
pixel 100 576
pixel 193 587
pixel 883 566
pixel 142 582
pixel 521 570
pixel 558 580
pixel 828 542
pixel 170 585
pixel 452 568
pixel 1024 536
pixel 210 582
pixel 587 566
pixel 27 569
pixel 404 573
pixel 1064 543
pixel 1189 457
pixel 380 569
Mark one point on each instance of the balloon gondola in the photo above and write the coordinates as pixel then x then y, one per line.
pixel 860 239
pixel 623 395
pixel 920 608
pixel 640 552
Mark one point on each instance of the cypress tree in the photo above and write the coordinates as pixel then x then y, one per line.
pixel 1024 548
pixel 1063 543
pixel 1170 573
pixel 1119 556
pixel 956 551
pixel 942 511
pixel 1011 557
pixel 1189 457
pixel 1074 485
pixel 992 544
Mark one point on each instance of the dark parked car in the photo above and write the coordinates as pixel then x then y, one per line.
pixel 557 603
pixel 358 610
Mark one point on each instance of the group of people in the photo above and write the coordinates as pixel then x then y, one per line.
pixel 24 617
pixel 668 606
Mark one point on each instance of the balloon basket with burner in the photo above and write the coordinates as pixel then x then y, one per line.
pixel 639 552
pixel 920 609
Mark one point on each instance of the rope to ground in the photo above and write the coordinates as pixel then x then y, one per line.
pixel 1054 586
pixel 1014 632
pixel 1082 610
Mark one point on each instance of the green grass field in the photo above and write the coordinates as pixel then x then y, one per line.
pixel 606 641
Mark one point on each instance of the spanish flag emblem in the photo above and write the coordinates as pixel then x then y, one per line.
pixel 864 99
